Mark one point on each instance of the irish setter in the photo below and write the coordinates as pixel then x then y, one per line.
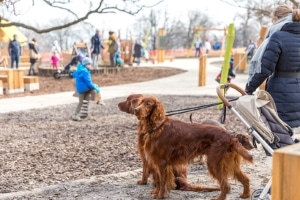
pixel 179 171
pixel 171 142
pixel 243 138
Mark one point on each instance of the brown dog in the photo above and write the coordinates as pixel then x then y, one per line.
pixel 179 171
pixel 170 142
pixel 243 138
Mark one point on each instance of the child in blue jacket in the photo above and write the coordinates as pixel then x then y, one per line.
pixel 84 85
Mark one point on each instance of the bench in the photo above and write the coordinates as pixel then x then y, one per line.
pixel 31 83
pixel 1 87
pixel 3 78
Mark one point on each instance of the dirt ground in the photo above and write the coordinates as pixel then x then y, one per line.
pixel 45 155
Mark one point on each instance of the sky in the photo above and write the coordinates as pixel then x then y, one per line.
pixel 218 10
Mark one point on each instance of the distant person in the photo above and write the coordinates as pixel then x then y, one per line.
pixel 207 46
pixel 119 60
pixel 56 48
pixel 137 52
pixel 3 60
pixel 231 73
pixel 250 50
pixel 84 85
pixel 198 46
pixel 14 51
pixel 55 60
pixel 113 47
pixel 74 61
pixel 96 46
pixel 33 56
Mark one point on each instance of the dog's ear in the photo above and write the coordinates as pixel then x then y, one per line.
pixel 158 112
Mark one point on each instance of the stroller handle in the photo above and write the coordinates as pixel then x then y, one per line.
pixel 228 85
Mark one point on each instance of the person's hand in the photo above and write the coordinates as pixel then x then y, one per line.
pixel 249 93
pixel 97 89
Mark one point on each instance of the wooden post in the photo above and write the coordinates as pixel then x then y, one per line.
pixel 202 71
pixel 240 60
pixel 10 81
pixel 286 173
pixel 18 81
pixel 262 35
pixel 161 50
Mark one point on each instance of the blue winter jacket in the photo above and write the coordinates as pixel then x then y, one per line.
pixel 83 79
pixel 281 65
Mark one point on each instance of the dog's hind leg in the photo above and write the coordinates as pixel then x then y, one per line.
pixel 243 178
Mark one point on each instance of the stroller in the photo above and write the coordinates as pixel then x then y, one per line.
pixel 67 72
pixel 258 112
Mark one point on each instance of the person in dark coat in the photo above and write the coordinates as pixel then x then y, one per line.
pixel 137 52
pixel 96 46
pixel 33 56
pixel 14 51
pixel 280 65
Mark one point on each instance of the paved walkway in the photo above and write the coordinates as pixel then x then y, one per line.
pixel 182 84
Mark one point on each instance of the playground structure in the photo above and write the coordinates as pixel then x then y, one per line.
pixel 13 80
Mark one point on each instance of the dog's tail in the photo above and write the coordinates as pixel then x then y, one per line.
pixel 236 145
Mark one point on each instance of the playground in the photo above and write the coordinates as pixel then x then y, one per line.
pixel 46 155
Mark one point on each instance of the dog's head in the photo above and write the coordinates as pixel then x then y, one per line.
pixel 150 108
pixel 245 141
pixel 131 102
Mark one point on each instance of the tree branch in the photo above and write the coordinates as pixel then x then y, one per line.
pixel 97 10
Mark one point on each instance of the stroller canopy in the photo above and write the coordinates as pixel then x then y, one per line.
pixel 260 112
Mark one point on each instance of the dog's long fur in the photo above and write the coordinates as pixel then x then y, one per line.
pixel 170 142
pixel 243 138
pixel 179 171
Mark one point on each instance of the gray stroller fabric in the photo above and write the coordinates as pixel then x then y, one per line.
pixel 260 112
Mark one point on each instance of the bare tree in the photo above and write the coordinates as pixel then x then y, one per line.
pixel 92 7
pixel 255 14
pixel 260 9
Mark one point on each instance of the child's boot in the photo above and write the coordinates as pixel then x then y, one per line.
pixel 76 117
pixel 100 101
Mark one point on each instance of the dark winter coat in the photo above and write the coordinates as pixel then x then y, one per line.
pixel 96 44
pixel 137 50
pixel 281 63
pixel 33 52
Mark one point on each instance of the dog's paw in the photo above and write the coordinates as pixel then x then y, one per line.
pixel 245 195
pixel 142 182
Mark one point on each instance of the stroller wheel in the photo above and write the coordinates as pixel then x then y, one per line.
pixel 71 74
pixel 255 195
pixel 56 75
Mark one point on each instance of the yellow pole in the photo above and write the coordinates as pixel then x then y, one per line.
pixel 227 56
pixel 146 37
